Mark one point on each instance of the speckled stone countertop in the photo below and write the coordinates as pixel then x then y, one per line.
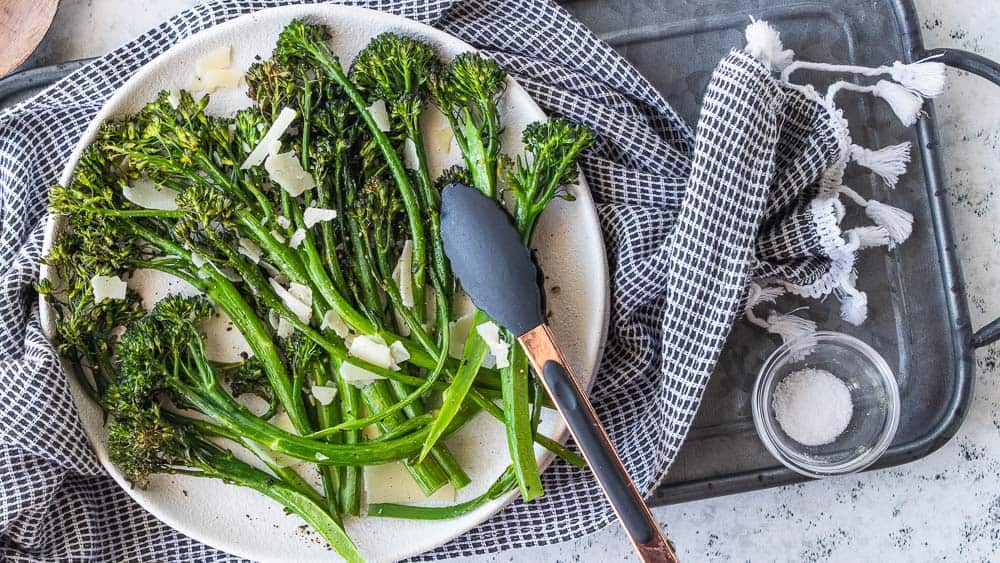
pixel 945 506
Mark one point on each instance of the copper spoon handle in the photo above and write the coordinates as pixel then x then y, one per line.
pixel 593 441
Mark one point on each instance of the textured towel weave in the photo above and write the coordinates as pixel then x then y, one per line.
pixel 690 217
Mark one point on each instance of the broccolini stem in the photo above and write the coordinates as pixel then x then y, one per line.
pixel 353 475
pixel 501 487
pixel 461 383
pixel 517 420
pixel 227 467
pixel 225 294
pixel 331 65
pixel 427 474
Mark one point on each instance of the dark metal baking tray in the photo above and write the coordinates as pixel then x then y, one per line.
pixel 918 315
pixel 918 312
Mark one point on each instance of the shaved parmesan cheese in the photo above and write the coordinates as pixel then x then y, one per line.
pixel 357 376
pixel 399 352
pixel 250 249
pixel 284 222
pixel 277 129
pixel 321 457
pixel 403 274
pixel 219 58
pixel 313 215
pixel 325 395
pixel 298 307
pixel 373 350
pixel 274 272
pixel 277 236
pixel 410 158
pixel 228 273
pixel 107 287
pixel 490 333
pixel 216 78
pixel 198 260
pixel 286 170
pixel 301 292
pixel 370 432
pixel 297 237
pixel 174 99
pixel 333 321
pixel 148 195
pixel 404 329
pixel 458 335
pixel 380 115
pixel 285 328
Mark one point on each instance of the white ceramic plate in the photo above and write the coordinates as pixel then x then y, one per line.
pixel 570 249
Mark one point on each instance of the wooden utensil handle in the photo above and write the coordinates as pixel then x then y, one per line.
pixel 593 441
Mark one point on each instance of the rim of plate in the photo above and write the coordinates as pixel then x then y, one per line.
pixel 596 339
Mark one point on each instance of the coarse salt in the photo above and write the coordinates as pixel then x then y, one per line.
pixel 812 406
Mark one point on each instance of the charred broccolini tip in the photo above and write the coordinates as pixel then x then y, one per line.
pixel 555 147
pixel 397 70
pixel 468 91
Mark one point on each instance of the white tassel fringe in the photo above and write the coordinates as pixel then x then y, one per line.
pixel 871 236
pixel 853 303
pixel 764 44
pixel 896 222
pixel 924 77
pixel 888 163
pixel 789 326
pixel 905 103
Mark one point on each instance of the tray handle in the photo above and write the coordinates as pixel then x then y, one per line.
pixel 990 70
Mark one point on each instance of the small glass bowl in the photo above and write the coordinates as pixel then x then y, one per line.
pixel 874 394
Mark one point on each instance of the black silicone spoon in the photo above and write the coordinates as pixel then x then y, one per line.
pixel 496 270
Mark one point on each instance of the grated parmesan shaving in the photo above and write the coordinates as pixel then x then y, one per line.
pixel 313 215
pixel 251 250
pixel 403 274
pixel 286 171
pixel 148 195
pixel 333 321
pixel 296 303
pixel 107 287
pixel 325 395
pixel 357 376
pixel 490 333
pixel 274 133
pixel 380 115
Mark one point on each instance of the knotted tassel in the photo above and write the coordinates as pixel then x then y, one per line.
pixel 898 224
pixel 757 294
pixel 764 44
pixel 924 77
pixel 905 103
pixel 870 236
pixel 853 303
pixel 888 163
pixel 788 326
